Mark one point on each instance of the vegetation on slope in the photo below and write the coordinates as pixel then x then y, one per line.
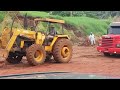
pixel 75 25
pixel 83 24
pixel 87 25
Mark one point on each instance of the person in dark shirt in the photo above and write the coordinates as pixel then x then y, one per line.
pixel 52 31
pixel 50 35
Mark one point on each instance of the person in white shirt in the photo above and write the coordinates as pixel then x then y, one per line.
pixel 92 39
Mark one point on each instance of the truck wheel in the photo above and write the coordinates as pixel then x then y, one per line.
pixel 14 59
pixel 107 54
pixel 62 51
pixel 35 54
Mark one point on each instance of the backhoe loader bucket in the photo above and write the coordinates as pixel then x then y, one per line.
pixel 3 55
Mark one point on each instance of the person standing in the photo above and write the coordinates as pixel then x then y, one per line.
pixel 92 39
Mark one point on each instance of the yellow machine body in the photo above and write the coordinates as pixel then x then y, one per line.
pixel 7 42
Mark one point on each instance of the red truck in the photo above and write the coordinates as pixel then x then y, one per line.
pixel 110 43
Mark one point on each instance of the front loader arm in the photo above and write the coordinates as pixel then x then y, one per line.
pixel 12 40
pixel 4 52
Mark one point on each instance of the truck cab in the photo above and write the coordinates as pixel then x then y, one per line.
pixel 110 43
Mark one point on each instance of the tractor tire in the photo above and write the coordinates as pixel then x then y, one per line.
pixel 62 51
pixel 106 54
pixel 35 55
pixel 14 59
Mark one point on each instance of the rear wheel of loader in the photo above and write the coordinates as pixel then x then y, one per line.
pixel 107 54
pixel 62 51
pixel 14 59
pixel 35 54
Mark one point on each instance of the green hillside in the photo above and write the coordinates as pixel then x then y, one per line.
pixel 88 25
pixel 85 25
pixel 2 14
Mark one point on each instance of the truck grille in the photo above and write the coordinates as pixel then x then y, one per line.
pixel 107 42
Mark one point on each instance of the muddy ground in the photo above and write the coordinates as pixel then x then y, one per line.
pixel 85 60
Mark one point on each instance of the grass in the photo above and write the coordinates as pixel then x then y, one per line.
pixel 35 13
pixel 88 25
pixel 83 24
pixel 40 14
pixel 2 14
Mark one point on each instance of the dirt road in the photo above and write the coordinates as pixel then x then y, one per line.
pixel 85 60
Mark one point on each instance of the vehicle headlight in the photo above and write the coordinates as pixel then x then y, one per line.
pixel 118 45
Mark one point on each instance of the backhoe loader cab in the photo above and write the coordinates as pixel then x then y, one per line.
pixel 51 27
pixel 51 23
pixel 36 46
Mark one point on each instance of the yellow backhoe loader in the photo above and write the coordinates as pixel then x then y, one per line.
pixel 35 45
